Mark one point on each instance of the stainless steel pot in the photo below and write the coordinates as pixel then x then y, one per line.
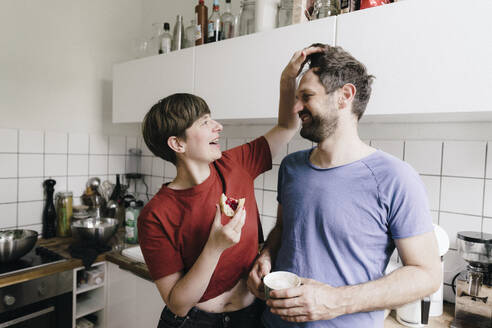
pixel 98 230
pixel 16 243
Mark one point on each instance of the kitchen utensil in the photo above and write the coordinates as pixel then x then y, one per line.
pixel 474 292
pixel 95 230
pixel 16 243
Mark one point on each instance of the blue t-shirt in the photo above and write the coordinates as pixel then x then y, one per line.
pixel 339 223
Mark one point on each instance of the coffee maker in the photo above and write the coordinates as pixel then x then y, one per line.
pixel 474 293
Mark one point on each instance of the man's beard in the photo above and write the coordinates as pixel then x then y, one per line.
pixel 320 128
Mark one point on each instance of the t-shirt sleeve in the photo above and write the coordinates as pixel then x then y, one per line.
pixel 408 208
pixel 254 156
pixel 158 242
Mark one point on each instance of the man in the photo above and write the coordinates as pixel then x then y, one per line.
pixel 343 207
pixel 198 258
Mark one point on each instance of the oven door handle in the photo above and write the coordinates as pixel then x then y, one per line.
pixel 27 317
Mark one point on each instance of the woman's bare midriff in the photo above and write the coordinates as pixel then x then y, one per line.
pixel 234 299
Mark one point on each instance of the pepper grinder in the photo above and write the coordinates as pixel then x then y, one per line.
pixel 49 213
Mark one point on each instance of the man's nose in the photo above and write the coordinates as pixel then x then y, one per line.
pixel 298 106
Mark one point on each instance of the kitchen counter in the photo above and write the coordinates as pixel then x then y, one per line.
pixel 138 268
pixel 434 322
pixel 58 245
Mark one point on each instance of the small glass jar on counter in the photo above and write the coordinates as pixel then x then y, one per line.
pixel 247 18
pixel 64 202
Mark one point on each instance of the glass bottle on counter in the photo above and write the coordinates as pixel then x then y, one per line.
pixel 166 40
pixel 190 34
pixel 201 22
pixel 215 24
pixel 131 216
pixel 228 22
pixel 247 18
pixel 64 201
pixel 49 212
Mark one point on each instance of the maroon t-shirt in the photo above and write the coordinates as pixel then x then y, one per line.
pixel 175 225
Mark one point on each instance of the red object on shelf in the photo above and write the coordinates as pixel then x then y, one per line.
pixel 372 3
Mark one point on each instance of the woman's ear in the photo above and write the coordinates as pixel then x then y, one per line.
pixel 176 144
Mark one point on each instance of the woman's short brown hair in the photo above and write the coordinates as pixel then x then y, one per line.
pixel 171 116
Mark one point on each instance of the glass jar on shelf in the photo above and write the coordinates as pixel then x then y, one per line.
pixel 329 8
pixel 291 12
pixel 64 202
pixel 247 18
pixel 190 34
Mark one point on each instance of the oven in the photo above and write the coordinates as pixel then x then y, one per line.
pixel 43 302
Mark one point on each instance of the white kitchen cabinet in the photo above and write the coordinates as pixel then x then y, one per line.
pixel 239 78
pixel 428 56
pixel 132 301
pixel 139 84
pixel 89 298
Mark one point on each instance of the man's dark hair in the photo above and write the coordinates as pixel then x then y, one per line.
pixel 335 67
pixel 171 116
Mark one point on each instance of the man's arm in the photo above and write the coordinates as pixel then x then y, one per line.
pixel 288 121
pixel 420 276
pixel 263 264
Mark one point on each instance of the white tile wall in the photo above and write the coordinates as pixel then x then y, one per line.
pixel 28 157
pixel 487 225
pixel 157 167
pixel 31 141
pixel 489 160
pixel 169 170
pixel 424 156
pixel 31 165
pixel 488 199
pixel 8 165
pixel 270 203
pixel 55 165
pixel 462 195
pixel 146 165
pixel 393 147
pixel 78 143
pixel 281 154
pixel 98 145
pixel 78 164
pixel 30 189
pixel 233 142
pixel 8 190
pixel 433 186
pixel 464 158
pixel 9 216
pixel 454 223
pixel 30 213
pixel 271 178
pixel 55 143
pixel 117 145
pixel 8 142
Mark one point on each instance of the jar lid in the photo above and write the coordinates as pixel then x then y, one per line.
pixel 65 193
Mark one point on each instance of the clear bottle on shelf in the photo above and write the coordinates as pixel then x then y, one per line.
pixel 190 34
pixel 215 24
pixel 155 39
pixel 247 18
pixel 329 8
pixel 166 40
pixel 228 22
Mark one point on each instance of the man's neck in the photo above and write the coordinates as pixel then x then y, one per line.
pixel 342 147
pixel 189 175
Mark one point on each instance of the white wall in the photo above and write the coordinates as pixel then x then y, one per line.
pixel 56 62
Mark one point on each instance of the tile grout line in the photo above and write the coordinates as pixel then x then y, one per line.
pixel 440 184
pixel 18 182
pixel 484 184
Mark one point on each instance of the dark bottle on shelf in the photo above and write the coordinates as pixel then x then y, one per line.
pixel 215 24
pixel 202 22
pixel 49 213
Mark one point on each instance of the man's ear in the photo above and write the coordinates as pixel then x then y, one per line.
pixel 176 144
pixel 347 95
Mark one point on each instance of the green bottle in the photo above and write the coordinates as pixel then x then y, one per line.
pixel 131 216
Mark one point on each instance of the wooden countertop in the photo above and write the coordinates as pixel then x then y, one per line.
pixel 58 245
pixel 434 322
